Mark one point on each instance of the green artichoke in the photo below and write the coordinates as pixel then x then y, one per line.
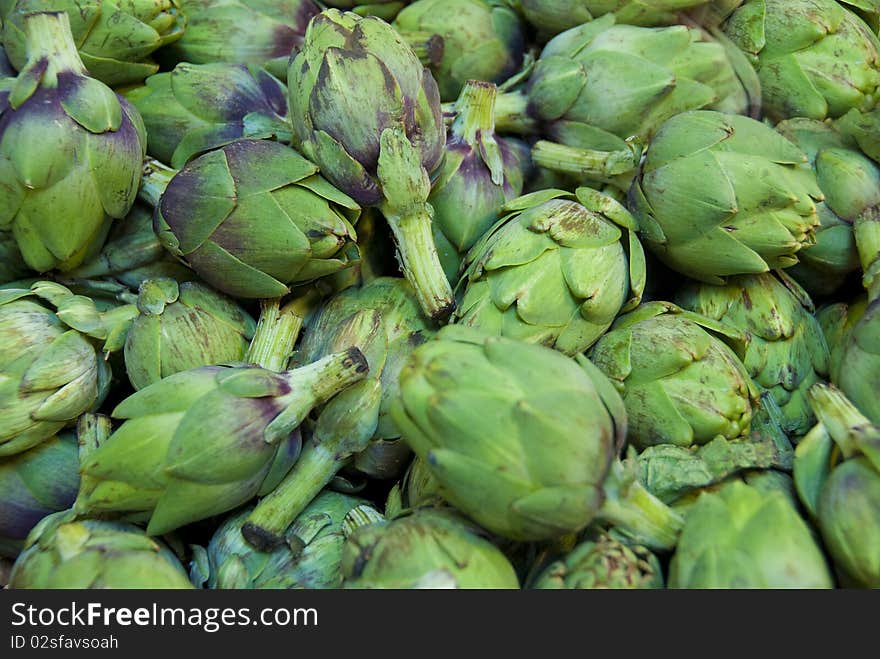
pixel 480 173
pixel 51 366
pixel 69 148
pixel 850 183
pixel 858 371
pixel 183 326
pixel 115 38
pixel 742 537
pixel 600 563
pixel 354 430
pixel 365 109
pixel 864 128
pixel 720 195
pixel 257 32
pixel 814 58
pixel 131 255
pixel 202 442
pixel 311 559
pixel 252 217
pixel 34 484
pixel 199 107
pixel 836 321
pixel 523 439
pixel 681 381
pixel 600 90
pixel 551 17
pixel 94 554
pixel 556 270
pixel 426 549
pixel 837 474
pixel 480 40
pixel 785 351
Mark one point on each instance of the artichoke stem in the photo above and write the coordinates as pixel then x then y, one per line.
pixel 867 234
pixel 849 428
pixel 586 163
pixel 428 46
pixel 512 114
pixel 265 527
pixel 419 260
pixel 637 512
pixel 476 111
pixel 276 334
pixel 92 430
pixel 154 179
pixel 48 35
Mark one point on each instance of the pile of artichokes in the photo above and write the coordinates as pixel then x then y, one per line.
pixel 514 294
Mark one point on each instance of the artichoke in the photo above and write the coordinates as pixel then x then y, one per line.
pixel 603 562
pixel 69 148
pixel 523 439
pixel 251 218
pixel 720 195
pixel 34 484
pixel 836 321
pixel 680 378
pixel 785 351
pixel 556 270
pixel 814 58
pixel 311 559
pixel 864 128
pixel 51 366
pixel 115 38
pixel 837 474
pixel 600 90
pixel 858 371
pixel 743 537
pixel 365 109
pixel 238 424
pixel 551 17
pixel 850 183
pixel 384 321
pixel 131 255
pixel 199 107
pixel 258 32
pixel 480 40
pixel 183 326
pixel 65 553
pixel 384 9
pixel 426 549
pixel 480 173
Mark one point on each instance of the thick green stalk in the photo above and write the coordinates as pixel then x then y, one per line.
pixel 48 35
pixel 275 336
pixel 586 163
pixel 512 114
pixel 154 179
pixel 267 524
pixel 428 46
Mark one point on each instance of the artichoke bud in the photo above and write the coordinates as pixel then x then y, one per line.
pixel 752 225
pixel 156 462
pixel 64 553
pixel 370 145
pixel 785 352
pixel 551 17
pixel 427 549
pixel 601 563
pixel 732 538
pixel 252 218
pixel 796 47
pixel 680 382
pixel 243 32
pixel 479 174
pixel 183 326
pixel 310 559
pixel 63 131
pixel 33 484
pixel 384 9
pixel 198 107
pixel 554 271
pixel 859 368
pixel 51 369
pixel 115 39
pixel 482 40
